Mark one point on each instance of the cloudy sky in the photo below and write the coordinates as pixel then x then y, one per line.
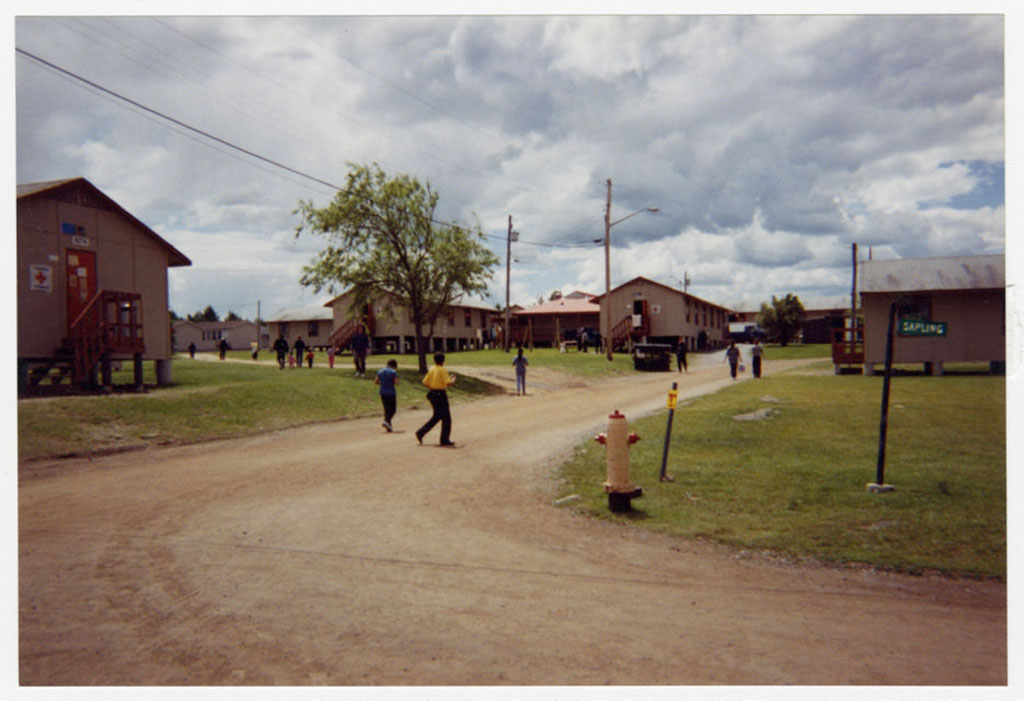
pixel 769 144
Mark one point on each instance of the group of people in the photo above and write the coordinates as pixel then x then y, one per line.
pixel 293 356
pixel 732 355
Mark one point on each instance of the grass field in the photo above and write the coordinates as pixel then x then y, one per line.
pixel 210 399
pixel 794 484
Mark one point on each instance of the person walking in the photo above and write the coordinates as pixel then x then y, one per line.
pixel 360 342
pixel 756 353
pixel 520 362
pixel 387 378
pixel 281 348
pixel 732 354
pixel 437 381
pixel 309 357
pixel 300 350
pixel 192 350
pixel 330 356
pixel 254 348
pixel 223 348
pixel 681 355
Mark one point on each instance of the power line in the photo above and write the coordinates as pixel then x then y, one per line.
pixel 252 154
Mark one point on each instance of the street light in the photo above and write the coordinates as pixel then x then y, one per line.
pixel 608 224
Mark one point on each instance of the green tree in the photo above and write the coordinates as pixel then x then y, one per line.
pixel 208 314
pixel 782 320
pixel 232 316
pixel 382 238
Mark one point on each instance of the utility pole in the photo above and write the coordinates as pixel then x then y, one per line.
pixel 606 332
pixel 853 302
pixel 512 236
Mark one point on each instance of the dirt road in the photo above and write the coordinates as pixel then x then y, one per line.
pixel 338 554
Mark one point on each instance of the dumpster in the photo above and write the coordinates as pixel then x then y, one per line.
pixel 652 357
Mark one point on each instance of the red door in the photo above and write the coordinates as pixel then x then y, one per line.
pixel 81 272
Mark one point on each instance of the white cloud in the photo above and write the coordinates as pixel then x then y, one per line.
pixel 769 143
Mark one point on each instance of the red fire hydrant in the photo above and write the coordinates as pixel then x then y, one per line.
pixel 618 487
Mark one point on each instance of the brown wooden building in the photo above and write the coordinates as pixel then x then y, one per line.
pixel 464 325
pixel 955 309
pixel 643 309
pixel 548 324
pixel 92 286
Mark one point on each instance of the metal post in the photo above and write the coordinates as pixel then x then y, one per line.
pixel 883 426
pixel 668 431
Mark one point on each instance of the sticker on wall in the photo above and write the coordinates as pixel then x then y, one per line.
pixel 655 309
pixel 40 277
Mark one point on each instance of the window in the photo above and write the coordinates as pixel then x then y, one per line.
pixel 313 329
pixel 451 316
pixel 282 328
pixel 916 307
pixel 469 317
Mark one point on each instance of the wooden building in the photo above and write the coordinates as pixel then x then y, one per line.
pixel 553 322
pixel 645 310
pixel 465 325
pixel 92 286
pixel 949 310
pixel 313 324
pixel 207 335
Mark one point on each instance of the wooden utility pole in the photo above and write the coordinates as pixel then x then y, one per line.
pixel 606 331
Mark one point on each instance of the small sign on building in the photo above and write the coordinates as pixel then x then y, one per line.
pixel 40 278
pixel 918 327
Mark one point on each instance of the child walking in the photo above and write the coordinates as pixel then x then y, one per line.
pixel 520 362
pixel 437 381
pixel 387 378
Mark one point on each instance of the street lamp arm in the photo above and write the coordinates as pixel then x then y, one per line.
pixel 645 209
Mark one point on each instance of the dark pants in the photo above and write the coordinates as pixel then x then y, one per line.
pixel 681 362
pixel 756 365
pixel 732 368
pixel 359 357
pixel 281 357
pixel 390 402
pixel 439 400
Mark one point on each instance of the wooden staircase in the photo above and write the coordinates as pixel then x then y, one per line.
pixel 342 336
pixel 110 323
pixel 848 346
pixel 625 331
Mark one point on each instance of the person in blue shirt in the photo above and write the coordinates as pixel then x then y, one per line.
pixel 520 362
pixel 387 378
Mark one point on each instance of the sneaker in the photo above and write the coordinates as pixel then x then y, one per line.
pixel 419 438
pixel 386 426
pixel 449 444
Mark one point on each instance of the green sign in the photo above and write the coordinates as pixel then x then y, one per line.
pixel 918 327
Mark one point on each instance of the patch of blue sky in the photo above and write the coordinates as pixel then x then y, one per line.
pixel 989 189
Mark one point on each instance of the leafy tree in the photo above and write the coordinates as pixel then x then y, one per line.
pixel 782 320
pixel 173 315
pixel 208 314
pixel 555 294
pixel 382 238
pixel 232 316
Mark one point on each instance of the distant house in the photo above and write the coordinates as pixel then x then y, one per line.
pixel 949 310
pixel 645 310
pixel 314 324
pixel 207 335
pixel 464 325
pixel 558 320
pixel 92 286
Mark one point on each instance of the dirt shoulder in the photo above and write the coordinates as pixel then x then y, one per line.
pixel 343 555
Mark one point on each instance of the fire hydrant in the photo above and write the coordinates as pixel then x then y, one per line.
pixel 618 487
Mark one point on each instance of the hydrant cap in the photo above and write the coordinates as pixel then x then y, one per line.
pixel 616 415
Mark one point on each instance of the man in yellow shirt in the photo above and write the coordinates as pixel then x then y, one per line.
pixel 437 381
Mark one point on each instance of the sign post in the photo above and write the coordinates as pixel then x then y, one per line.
pixel 879 484
pixel 673 396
